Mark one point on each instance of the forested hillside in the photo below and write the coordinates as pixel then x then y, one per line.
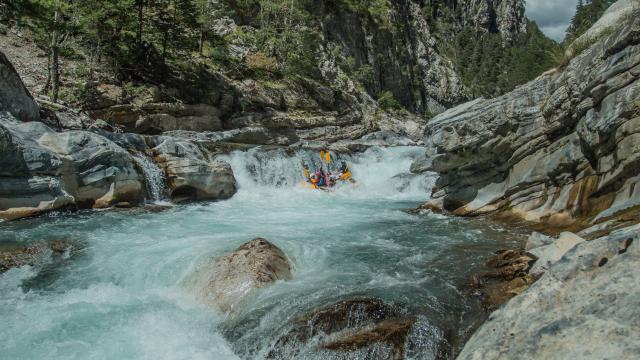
pixel 587 13
pixel 423 56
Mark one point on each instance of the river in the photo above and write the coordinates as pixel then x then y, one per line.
pixel 121 293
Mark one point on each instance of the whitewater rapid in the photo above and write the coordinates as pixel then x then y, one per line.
pixel 121 293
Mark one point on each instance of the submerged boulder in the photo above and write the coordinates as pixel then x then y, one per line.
pixel 392 333
pixel 15 256
pixel 226 281
pixel 354 329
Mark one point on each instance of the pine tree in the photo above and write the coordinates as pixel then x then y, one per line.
pixel 587 14
pixel 52 23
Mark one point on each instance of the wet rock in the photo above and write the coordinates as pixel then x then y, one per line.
pixel 351 314
pixel 508 276
pixel 146 209
pixel 425 209
pixel 226 281
pixel 191 175
pixel 582 308
pixel 393 333
pixel 15 256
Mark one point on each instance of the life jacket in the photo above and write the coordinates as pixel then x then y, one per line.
pixel 346 175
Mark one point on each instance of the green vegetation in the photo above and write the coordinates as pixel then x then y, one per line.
pixel 181 44
pixel 491 65
pixel 378 10
pixel 387 101
pixel 154 41
pixel 587 13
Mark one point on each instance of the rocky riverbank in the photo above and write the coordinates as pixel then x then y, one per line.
pixel 58 158
pixel 561 151
pixel 558 154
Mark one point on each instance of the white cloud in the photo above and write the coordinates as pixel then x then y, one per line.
pixel 553 16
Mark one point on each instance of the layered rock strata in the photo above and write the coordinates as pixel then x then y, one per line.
pixel 561 150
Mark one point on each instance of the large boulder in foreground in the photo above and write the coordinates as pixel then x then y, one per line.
pixel 586 306
pixel 226 281
pixel 14 96
pixel 191 175
pixel 359 328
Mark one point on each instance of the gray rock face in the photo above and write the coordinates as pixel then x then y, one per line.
pixel 551 253
pixel 14 97
pixel 45 170
pixel 614 15
pixel 586 306
pixel 155 118
pixel 561 150
pixel 191 175
pixel 94 169
pixel 228 280
pixel 429 82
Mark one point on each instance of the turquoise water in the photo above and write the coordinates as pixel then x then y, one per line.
pixel 121 294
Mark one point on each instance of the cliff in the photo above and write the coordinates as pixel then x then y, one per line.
pixel 559 151
pixel 339 69
pixel 557 154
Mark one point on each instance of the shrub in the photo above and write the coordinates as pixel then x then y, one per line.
pixel 387 101
pixel 260 61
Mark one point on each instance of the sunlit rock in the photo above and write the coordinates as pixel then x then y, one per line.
pixel 226 281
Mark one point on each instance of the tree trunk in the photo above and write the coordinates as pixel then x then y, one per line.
pixel 140 21
pixel 54 70
pixel 287 28
pixel 165 40
pixel 47 83
pixel 203 20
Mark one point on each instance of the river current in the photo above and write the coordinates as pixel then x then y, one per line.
pixel 120 293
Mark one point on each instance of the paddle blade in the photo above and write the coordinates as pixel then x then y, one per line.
pixel 327 157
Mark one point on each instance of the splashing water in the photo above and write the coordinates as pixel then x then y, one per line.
pixel 154 176
pixel 379 172
pixel 121 293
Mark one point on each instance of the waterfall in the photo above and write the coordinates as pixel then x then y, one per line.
pixel 377 171
pixel 154 176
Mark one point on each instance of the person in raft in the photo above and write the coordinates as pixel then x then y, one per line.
pixel 320 179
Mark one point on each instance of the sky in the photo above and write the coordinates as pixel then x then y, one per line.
pixel 553 16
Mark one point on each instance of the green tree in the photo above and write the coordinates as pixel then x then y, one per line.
pixel 587 13
pixel 52 22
